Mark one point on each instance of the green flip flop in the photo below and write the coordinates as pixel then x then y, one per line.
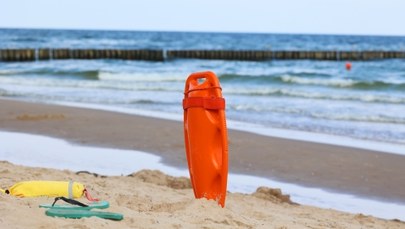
pixel 79 213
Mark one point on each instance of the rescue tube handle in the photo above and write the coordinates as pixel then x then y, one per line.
pixel 210 76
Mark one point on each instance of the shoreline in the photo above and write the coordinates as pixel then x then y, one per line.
pixel 347 170
pixel 299 135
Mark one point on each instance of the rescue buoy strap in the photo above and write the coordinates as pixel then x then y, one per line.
pixel 70 190
pixel 206 103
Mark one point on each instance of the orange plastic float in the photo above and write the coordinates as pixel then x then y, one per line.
pixel 348 66
pixel 205 136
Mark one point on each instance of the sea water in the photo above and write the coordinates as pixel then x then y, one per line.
pixel 366 103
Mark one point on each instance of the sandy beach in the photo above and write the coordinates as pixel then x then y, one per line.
pixel 149 199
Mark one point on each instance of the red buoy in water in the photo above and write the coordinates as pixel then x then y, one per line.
pixel 348 66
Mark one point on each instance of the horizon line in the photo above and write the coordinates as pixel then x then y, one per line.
pixel 201 31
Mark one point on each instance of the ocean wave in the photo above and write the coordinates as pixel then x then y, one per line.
pixel 307 73
pixel 87 84
pixel 28 39
pixel 267 78
pixel 376 118
pixel 152 102
pixel 360 118
pixel 86 74
pixel 318 81
pixel 7 72
pixel 347 83
pixel 371 98
pixel 314 79
pixel 142 101
pixel 142 76
pixel 5 93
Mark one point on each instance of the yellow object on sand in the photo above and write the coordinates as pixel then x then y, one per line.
pixel 67 189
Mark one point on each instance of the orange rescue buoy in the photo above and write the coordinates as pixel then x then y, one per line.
pixel 205 136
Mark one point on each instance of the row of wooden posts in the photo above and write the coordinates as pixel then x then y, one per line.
pixel 161 55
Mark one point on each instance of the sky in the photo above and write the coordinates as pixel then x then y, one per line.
pixel 359 17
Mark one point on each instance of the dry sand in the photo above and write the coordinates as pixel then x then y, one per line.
pixel 150 200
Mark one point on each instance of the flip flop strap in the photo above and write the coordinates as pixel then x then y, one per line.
pixel 70 201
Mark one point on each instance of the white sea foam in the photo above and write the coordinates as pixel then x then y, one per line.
pixel 319 81
pixel 301 93
pixel 55 153
pixel 142 76
pixel 47 85
pixel 9 72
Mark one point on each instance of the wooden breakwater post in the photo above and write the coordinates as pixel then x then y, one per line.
pixel 161 55
pixel 62 54
pixel 123 54
pixel 253 55
pixel 17 54
pixel 258 55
